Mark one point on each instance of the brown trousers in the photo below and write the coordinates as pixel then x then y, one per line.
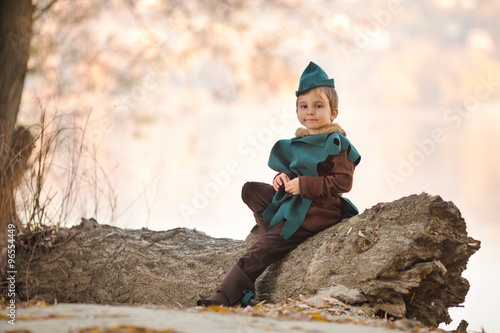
pixel 270 246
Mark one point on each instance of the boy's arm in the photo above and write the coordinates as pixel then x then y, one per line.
pixel 339 181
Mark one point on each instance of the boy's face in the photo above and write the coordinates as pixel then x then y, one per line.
pixel 314 112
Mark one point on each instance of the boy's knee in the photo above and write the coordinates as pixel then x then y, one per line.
pixel 257 195
pixel 247 191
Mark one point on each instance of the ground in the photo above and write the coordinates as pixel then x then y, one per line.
pixel 308 315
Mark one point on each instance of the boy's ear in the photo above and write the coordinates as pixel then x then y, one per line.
pixel 335 113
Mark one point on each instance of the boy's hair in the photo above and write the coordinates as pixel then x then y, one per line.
pixel 330 93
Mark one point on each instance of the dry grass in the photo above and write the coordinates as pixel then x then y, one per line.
pixel 61 181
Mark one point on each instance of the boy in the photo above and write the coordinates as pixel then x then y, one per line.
pixel 314 169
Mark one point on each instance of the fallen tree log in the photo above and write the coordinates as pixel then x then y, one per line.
pixel 404 258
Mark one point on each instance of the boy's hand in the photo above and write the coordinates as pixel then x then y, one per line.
pixel 280 180
pixel 293 186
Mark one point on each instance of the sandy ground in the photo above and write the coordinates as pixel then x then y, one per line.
pixel 77 317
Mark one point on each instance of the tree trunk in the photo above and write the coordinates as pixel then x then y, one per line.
pixel 16 18
pixel 404 258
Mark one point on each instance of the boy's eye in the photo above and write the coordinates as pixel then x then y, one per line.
pixel 318 106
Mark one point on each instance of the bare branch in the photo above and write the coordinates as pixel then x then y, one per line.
pixel 42 11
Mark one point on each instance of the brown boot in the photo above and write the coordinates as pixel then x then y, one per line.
pixel 232 289
pixel 254 234
pixel 216 299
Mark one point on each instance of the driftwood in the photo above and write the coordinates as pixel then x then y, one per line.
pixel 403 258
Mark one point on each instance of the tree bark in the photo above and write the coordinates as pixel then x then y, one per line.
pixel 16 18
pixel 404 258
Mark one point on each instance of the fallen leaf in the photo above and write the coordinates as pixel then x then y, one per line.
pixel 217 308
pixel 362 312
pixel 317 316
pixel 331 300
pixel 124 329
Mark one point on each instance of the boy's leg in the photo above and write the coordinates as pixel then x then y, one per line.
pixel 258 196
pixel 269 248
pixel 230 291
pixel 254 234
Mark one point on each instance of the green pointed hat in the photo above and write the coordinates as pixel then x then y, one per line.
pixel 312 77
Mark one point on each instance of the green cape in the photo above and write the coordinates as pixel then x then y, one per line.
pixel 299 157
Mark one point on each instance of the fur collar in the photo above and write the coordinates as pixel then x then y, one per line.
pixel 333 128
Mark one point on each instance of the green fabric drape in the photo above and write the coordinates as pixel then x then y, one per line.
pixel 299 157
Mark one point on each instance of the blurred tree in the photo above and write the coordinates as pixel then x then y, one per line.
pixel 16 18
